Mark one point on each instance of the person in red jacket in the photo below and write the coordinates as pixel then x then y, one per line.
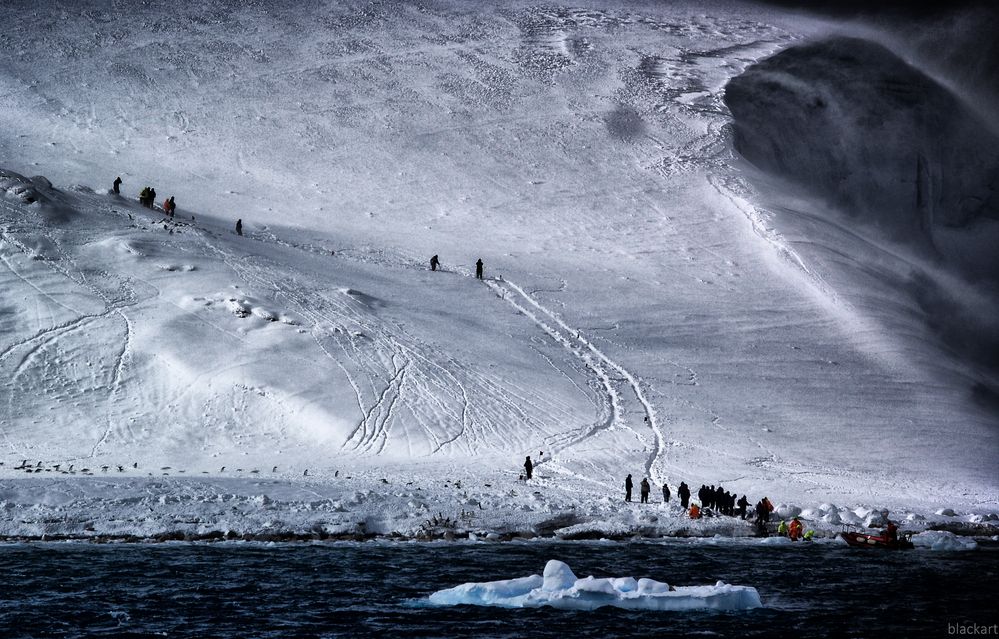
pixel 891 532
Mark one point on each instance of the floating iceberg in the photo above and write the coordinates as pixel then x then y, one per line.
pixel 560 588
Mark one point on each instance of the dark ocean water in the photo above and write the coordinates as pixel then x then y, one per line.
pixel 379 590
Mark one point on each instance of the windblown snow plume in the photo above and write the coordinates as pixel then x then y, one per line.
pixel 850 120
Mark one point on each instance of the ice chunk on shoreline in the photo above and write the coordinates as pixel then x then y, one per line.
pixel 942 540
pixel 560 588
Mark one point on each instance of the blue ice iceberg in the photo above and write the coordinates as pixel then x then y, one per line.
pixel 560 588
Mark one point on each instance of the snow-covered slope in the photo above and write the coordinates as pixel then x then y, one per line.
pixel 641 312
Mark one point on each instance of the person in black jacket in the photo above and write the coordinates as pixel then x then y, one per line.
pixel 665 494
pixel 684 492
pixel 743 503
pixel 762 517
pixel 529 467
pixel 239 226
pixel 434 263
pixel 478 269
pixel 645 490
pixel 117 184
pixel 627 488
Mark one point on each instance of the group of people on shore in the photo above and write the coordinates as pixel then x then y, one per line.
pixel 795 530
pixel 722 501
pixel 712 500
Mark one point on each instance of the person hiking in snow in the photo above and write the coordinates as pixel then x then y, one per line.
pixel 645 490
pixel 665 494
pixel 239 227
pixel 684 492
pixel 627 488
pixel 743 503
pixel 478 269
pixel 117 184
pixel 152 197
pixel 169 206
pixel 782 528
pixel 144 196
pixel 528 467
pixel 434 263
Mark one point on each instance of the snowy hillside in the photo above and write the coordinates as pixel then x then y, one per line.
pixel 645 310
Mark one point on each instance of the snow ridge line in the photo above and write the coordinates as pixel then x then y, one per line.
pixel 734 189
pixel 650 413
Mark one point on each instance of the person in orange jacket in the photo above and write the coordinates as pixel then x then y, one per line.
pixel 794 530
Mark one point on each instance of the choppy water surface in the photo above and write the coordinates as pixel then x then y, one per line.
pixel 379 589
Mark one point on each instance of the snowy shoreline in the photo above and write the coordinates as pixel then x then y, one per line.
pixel 356 509
pixel 961 541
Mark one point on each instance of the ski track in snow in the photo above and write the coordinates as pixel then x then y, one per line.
pixel 389 366
pixel 595 360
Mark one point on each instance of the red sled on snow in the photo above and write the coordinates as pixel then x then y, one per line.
pixel 861 540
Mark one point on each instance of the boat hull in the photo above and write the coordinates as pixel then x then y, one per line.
pixel 860 540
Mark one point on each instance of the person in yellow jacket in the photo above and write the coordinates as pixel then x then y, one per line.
pixel 782 528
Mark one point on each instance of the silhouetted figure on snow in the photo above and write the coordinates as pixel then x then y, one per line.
pixel 478 269
pixel 627 488
pixel 743 503
pixel 645 490
pixel 434 263
pixel 762 517
pixel 169 206
pixel 529 467
pixel 239 226
pixel 665 494
pixel 117 185
pixel 684 492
